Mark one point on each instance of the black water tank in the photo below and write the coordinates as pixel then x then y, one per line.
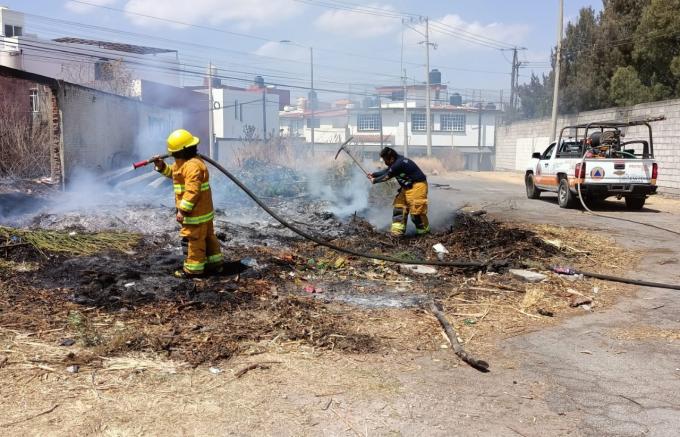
pixel 456 99
pixel 435 77
pixel 259 81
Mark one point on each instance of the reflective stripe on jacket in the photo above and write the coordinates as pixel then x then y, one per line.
pixel 192 189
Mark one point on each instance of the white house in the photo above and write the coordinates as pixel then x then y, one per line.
pixel 331 125
pixel 468 129
pixel 241 115
pixel 109 66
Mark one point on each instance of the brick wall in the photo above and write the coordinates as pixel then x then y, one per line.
pixel 29 134
pixel 515 142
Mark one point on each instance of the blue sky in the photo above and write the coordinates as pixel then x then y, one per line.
pixel 352 50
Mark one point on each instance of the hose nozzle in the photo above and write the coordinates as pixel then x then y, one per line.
pixel 145 162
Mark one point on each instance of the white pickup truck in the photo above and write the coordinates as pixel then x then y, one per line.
pixel 595 163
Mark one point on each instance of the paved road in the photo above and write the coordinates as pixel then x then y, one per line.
pixel 622 387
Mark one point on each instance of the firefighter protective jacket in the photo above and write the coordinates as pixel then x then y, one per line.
pixel 405 171
pixel 190 180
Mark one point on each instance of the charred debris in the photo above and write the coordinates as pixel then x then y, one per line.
pixel 101 276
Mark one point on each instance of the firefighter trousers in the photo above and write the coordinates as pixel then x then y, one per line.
pixel 201 248
pixel 411 201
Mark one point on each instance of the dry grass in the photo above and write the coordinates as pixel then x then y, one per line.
pixel 430 165
pixel 24 136
pixel 69 242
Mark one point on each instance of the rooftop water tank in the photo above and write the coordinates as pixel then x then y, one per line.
pixel 456 99
pixel 435 77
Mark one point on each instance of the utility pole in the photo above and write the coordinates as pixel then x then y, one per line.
pixel 479 132
pixel 513 80
pixel 405 99
pixel 264 114
pixel 405 119
pixel 558 61
pixel 313 94
pixel 427 90
pixel 211 135
pixel 380 115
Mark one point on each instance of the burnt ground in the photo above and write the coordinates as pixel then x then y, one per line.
pixel 347 333
pixel 292 290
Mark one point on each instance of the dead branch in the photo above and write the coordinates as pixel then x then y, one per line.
pixel 480 365
pixel 26 419
pixel 262 365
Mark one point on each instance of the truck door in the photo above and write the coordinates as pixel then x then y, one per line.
pixel 567 155
pixel 543 177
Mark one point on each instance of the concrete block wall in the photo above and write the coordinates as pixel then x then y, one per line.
pixel 102 131
pixel 516 141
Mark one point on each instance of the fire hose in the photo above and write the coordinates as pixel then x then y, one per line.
pixel 456 263
pixel 589 211
pixel 319 241
pixel 468 264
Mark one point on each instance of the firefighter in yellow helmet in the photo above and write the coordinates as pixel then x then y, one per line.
pixel 193 200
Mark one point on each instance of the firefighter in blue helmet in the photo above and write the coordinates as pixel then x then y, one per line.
pixel 412 196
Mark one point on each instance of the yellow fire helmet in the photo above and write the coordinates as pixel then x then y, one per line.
pixel 180 140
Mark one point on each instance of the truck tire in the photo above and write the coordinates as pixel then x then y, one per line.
pixel 532 191
pixel 565 198
pixel 635 203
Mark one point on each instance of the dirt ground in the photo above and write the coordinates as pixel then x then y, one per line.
pixel 309 342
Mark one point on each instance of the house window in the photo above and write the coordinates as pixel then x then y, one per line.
pixel 11 31
pixel 35 103
pixel 418 123
pixel 368 122
pixel 452 122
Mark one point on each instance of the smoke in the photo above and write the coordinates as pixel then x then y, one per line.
pixel 345 195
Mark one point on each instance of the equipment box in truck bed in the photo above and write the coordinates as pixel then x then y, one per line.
pixel 595 163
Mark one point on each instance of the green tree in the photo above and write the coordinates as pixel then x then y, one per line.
pixel 583 76
pixel 536 97
pixel 627 88
pixel 657 44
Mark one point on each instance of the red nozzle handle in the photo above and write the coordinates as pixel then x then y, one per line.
pixel 141 163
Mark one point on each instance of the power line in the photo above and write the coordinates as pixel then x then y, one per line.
pixel 243 35
pixel 218 48
pixel 387 13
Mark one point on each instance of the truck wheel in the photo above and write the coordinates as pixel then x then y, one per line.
pixel 532 191
pixel 635 202
pixel 565 198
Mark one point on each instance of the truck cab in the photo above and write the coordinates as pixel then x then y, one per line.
pixel 595 162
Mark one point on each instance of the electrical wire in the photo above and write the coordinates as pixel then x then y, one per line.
pixel 136 35
pixel 325 49
pixel 98 54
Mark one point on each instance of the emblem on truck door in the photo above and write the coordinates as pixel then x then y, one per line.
pixel 597 173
